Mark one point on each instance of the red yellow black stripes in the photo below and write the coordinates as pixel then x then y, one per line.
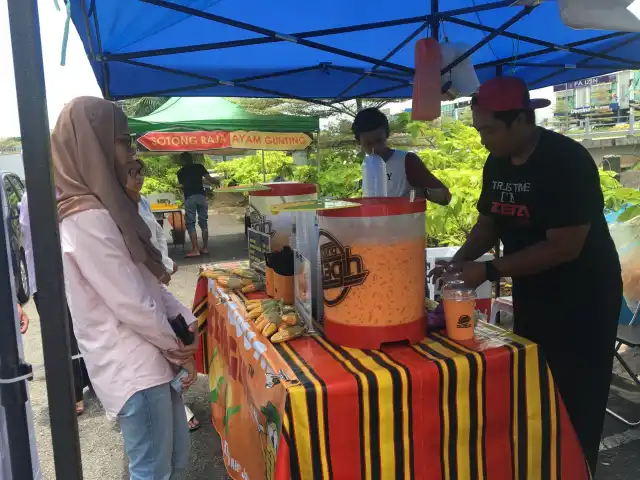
pixel 309 404
pixel 476 424
pixel 385 410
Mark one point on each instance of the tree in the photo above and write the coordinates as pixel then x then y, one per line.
pixel 322 109
pixel 143 106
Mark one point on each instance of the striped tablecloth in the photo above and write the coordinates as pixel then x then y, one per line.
pixel 434 410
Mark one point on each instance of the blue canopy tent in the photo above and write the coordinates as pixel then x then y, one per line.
pixel 328 51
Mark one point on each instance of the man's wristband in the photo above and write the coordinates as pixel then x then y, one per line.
pixel 491 272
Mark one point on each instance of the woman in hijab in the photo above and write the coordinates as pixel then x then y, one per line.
pixel 135 181
pixel 113 277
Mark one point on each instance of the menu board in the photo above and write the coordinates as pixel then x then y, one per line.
pixel 259 245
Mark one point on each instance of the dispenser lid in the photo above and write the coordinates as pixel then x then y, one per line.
pixel 242 188
pixel 378 207
pixel 312 206
pixel 286 189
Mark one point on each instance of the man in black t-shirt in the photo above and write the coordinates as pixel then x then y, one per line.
pixel 191 176
pixel 541 197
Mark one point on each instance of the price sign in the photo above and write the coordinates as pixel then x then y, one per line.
pixel 259 245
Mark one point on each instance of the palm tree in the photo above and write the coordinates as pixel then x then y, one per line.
pixel 140 107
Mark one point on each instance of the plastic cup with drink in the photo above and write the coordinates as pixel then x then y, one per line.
pixel 459 302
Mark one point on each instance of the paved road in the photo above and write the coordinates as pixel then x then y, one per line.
pixel 102 451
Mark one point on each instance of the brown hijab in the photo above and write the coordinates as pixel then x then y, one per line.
pixel 91 174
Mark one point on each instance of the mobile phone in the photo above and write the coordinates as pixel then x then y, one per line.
pixel 176 383
pixel 181 329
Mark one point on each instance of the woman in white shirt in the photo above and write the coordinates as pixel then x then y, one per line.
pixel 113 275
pixel 135 181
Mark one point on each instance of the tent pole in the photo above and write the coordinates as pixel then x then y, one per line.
pixel 34 129
pixel 544 51
pixel 318 157
pixel 497 245
pixel 264 170
pixel 435 20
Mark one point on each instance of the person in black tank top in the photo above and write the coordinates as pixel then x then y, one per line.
pixel 541 197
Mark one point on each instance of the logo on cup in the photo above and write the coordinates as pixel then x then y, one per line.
pixel 340 269
pixel 464 321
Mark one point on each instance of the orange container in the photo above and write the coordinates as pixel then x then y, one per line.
pixel 460 318
pixel 373 272
pixel 284 288
pixel 270 282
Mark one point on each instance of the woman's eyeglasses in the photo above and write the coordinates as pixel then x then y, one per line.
pixel 127 141
pixel 137 172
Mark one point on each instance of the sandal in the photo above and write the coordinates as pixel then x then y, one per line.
pixel 194 424
pixel 204 251
pixel 79 408
pixel 192 255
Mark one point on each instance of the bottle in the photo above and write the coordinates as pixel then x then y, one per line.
pixel 459 302
pixel 374 176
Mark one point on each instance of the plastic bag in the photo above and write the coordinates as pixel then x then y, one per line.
pixel 464 80
pixel 626 236
pixel 374 176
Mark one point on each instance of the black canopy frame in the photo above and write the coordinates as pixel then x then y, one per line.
pixel 29 73
pixel 405 73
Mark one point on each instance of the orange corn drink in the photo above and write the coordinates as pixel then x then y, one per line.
pixel 459 309
pixel 373 272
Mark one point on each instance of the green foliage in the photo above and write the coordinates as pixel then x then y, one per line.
pixel 276 106
pixel 248 170
pixel 455 155
pixel 161 174
pixel 143 106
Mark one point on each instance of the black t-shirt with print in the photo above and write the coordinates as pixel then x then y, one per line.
pixel 558 186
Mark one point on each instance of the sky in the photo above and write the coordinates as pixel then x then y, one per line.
pixel 63 83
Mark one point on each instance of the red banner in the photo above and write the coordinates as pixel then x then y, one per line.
pixel 185 141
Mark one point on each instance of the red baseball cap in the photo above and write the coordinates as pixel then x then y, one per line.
pixel 501 94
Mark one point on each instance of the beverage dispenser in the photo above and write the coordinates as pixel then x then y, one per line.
pixel 373 272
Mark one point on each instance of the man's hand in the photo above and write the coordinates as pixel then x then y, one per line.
pixel 441 196
pixel 190 379
pixel 24 320
pixel 440 269
pixel 473 273
pixel 185 353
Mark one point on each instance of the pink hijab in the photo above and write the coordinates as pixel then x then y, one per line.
pixel 89 175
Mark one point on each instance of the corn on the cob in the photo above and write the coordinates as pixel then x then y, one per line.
pixel 289 319
pixel 273 315
pixel 288 333
pixel 262 323
pixel 215 274
pixel 245 273
pixel 269 329
pixel 253 314
pixel 253 287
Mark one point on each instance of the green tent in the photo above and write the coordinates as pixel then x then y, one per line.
pixel 210 114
